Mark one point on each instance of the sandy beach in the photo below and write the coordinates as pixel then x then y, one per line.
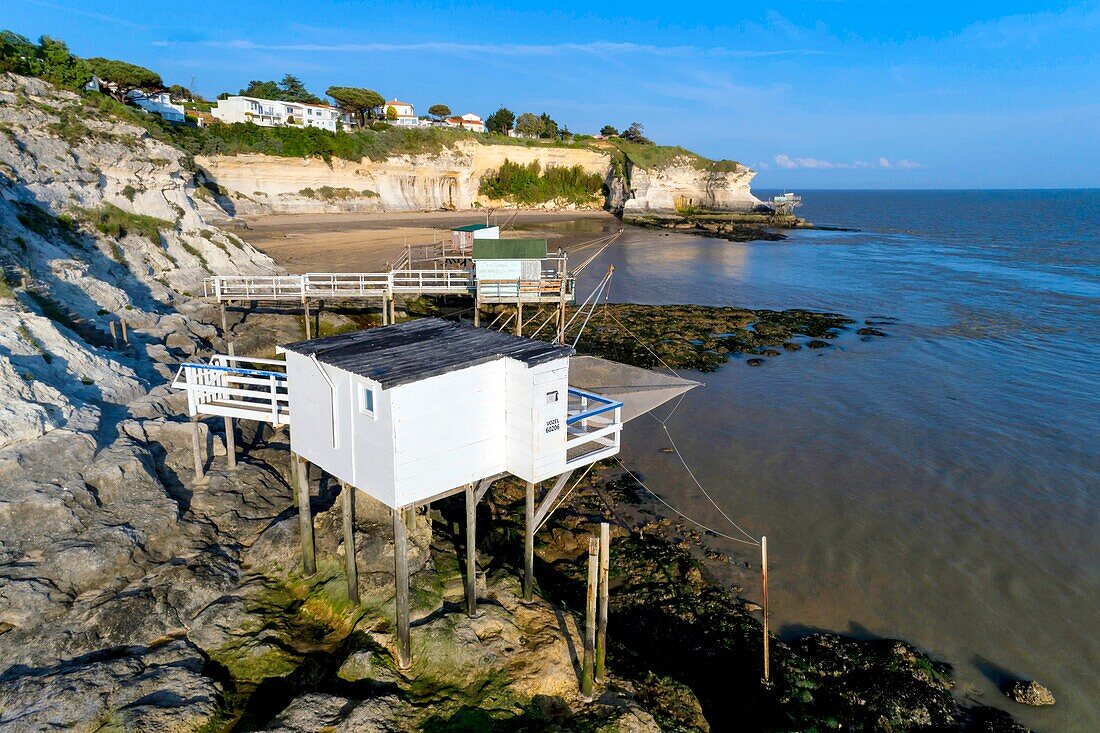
pixel 366 242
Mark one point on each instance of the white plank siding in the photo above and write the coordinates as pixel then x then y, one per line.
pixel 449 430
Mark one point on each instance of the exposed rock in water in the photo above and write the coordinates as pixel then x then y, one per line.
pixel 698 337
pixel 1029 692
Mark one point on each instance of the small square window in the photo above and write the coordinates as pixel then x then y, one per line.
pixel 366 400
pixel 551 397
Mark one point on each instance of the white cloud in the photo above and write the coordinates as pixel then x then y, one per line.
pixel 786 161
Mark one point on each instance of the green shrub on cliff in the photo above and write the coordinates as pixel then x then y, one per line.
pixel 115 222
pixel 530 184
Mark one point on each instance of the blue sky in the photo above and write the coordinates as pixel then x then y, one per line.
pixel 823 93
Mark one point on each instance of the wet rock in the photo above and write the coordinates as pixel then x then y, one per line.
pixel 868 331
pixel 817 344
pixel 791 346
pixel 754 362
pixel 1029 692
pixel 769 352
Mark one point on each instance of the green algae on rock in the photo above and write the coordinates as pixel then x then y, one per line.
pixel 696 336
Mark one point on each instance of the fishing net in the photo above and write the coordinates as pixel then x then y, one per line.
pixel 640 390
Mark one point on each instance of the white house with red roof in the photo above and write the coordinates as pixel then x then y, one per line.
pixel 468 121
pixel 406 114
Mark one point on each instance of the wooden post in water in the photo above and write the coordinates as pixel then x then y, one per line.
pixel 519 317
pixel 590 619
pixel 230 443
pixel 125 336
pixel 225 329
pixel 351 572
pixel 393 310
pixel 300 468
pixel 114 334
pixel 764 578
pixel 385 312
pixel 401 597
pixel 605 579
pixel 529 545
pixel 305 311
pixel 196 446
pixel 477 310
pixel 471 549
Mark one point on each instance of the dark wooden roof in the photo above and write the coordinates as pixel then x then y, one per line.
pixel 423 348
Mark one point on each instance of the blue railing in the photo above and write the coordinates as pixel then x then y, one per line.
pixel 604 405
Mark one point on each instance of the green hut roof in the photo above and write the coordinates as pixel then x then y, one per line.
pixel 471 228
pixel 509 249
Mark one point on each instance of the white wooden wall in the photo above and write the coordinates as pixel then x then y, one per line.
pixel 450 430
pixel 536 429
pixel 434 435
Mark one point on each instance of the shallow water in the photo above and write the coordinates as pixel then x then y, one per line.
pixel 941 484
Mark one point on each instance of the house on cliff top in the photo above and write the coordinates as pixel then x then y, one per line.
pixel 276 113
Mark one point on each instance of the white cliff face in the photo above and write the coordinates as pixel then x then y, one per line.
pixel 682 186
pixel 62 165
pixel 448 179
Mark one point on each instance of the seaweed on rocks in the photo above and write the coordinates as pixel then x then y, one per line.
pixel 699 337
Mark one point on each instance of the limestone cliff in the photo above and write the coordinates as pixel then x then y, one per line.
pixel 687 183
pixel 450 179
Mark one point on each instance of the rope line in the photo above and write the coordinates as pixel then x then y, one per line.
pixel 663 423
pixel 561 502
pixel 677 511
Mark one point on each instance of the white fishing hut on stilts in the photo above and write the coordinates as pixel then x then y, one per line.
pixel 416 412
pixel 419 411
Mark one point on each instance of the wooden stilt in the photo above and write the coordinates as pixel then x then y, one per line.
pixel 471 550
pixel 410 518
pixel 401 574
pixel 114 334
pixel 350 570
pixel 587 666
pixel 529 545
pixel 230 443
pixel 125 336
pixel 393 310
pixel 605 577
pixel 197 447
pixel 299 467
pixel 764 578
pixel 231 348
pixel 225 328
pixel 519 318
pixel 305 310
pixel 477 312
pixel 385 312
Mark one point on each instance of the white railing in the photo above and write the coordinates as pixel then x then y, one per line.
pixel 337 285
pixel 225 386
pixel 346 285
pixel 432 281
pixel 593 427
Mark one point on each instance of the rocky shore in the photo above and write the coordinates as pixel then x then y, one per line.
pixel 733 226
pixel 133 597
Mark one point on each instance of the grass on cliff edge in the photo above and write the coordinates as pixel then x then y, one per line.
pixel 657 157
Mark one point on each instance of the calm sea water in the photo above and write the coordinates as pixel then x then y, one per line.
pixel 941 484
